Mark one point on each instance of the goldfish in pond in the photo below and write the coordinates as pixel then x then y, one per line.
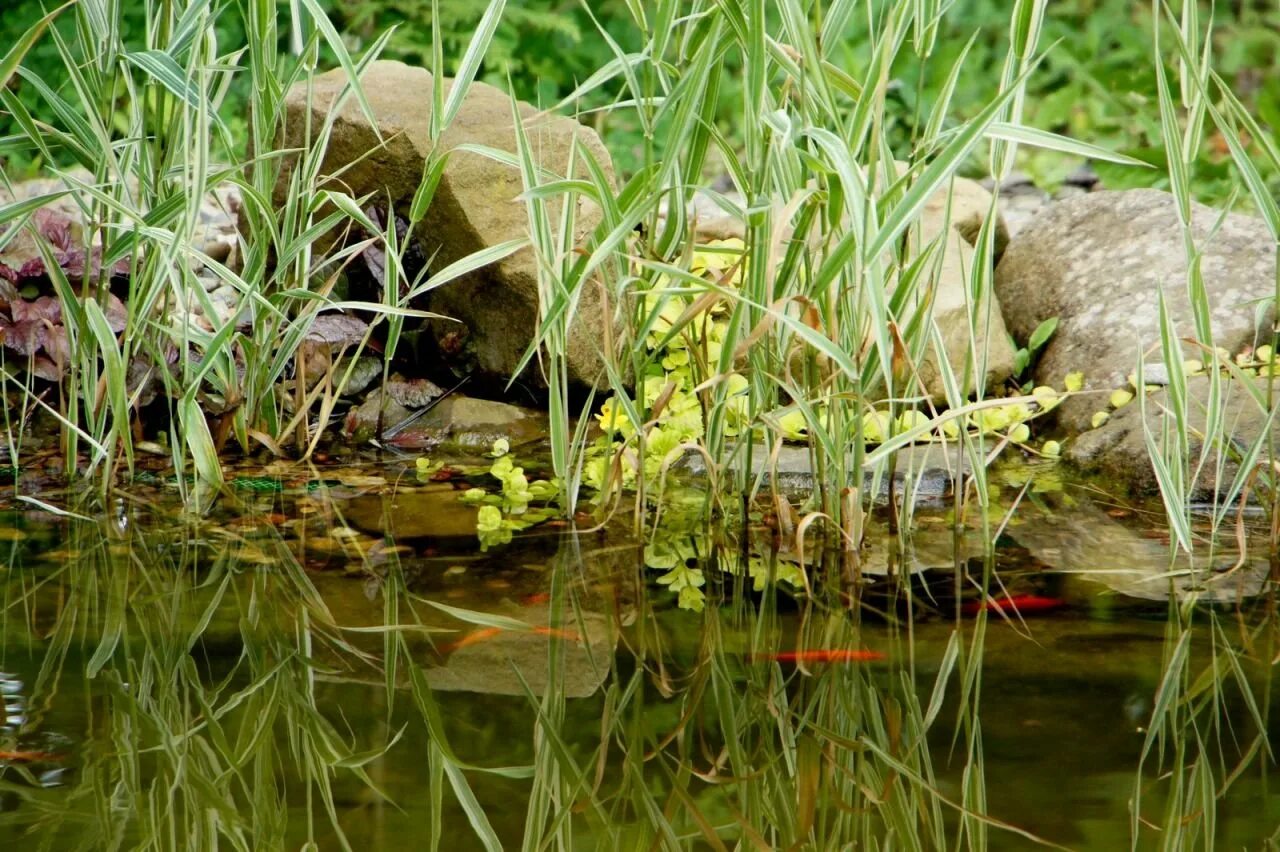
pixel 820 655
pixel 484 634
pixel 30 756
pixel 1013 604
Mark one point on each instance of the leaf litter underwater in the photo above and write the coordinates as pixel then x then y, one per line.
pixel 327 656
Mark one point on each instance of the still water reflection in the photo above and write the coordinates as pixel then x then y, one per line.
pixel 333 662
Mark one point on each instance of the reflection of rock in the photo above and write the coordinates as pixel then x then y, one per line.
pixel 432 511
pixel 497 664
pixel 925 472
pixel 932 546
pixel 457 655
pixel 1083 540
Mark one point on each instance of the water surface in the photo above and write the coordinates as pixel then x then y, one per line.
pixel 325 656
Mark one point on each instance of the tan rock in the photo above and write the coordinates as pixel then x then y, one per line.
pixel 476 205
pixel 985 341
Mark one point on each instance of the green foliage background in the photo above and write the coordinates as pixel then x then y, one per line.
pixel 1097 83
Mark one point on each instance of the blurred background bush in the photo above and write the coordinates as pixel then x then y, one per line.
pixel 1097 83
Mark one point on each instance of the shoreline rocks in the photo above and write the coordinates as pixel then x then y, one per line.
pixel 1098 263
pixel 1117 450
pixel 476 204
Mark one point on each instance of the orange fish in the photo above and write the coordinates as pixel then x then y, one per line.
pixel 474 638
pixel 1013 603
pixel 558 633
pixel 30 756
pixel 484 634
pixel 537 598
pixel 820 655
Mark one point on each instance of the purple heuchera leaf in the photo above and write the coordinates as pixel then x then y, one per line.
pixel 54 226
pixel 34 329
pixel 22 258
pixel 44 308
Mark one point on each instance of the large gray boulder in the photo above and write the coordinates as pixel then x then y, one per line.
pixel 476 205
pixel 1098 261
pixel 1117 450
pixel 1131 559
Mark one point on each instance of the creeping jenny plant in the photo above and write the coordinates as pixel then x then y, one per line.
pixel 686 320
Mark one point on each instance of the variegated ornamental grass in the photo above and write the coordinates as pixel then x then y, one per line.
pixel 769 337
pixel 724 350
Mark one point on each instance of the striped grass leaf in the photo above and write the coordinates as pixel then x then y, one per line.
pixel 923 428
pixel 432 171
pixel 870 107
pixel 471 806
pixel 1169 477
pixel 33 136
pixel 624 64
pixel 1025 24
pixel 114 375
pixel 471 59
pixel 939 171
pixel 1259 192
pixel 17 52
pixel 198 440
pixel 335 42
pixel 942 104
pixel 466 265
pixel 1247 466
pixel 84 136
pixel 430 712
pixel 1050 141
pixel 835 20
pixel 802 41
pixel 16 210
pixel 161 67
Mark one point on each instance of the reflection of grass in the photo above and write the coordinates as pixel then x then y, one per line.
pixel 190 744
pixel 1198 747
pixel 206 724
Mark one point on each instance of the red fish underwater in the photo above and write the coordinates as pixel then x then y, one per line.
pixel 819 655
pixel 1013 604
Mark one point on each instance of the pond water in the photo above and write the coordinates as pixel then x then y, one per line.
pixel 326 658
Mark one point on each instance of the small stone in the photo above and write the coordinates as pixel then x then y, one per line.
pixel 474 425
